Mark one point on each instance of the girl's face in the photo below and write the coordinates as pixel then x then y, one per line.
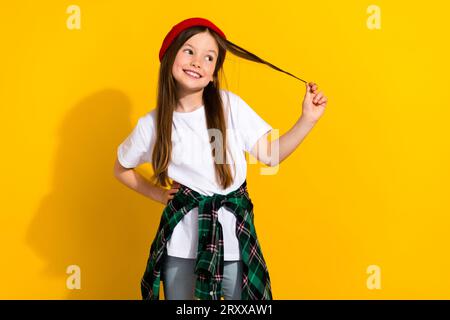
pixel 198 54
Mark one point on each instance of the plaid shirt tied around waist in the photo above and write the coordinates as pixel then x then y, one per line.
pixel 209 262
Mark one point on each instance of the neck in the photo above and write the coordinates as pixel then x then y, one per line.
pixel 189 101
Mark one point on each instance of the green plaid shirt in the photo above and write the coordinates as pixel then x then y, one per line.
pixel 209 263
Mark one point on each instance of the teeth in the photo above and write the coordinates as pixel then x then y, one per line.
pixel 192 74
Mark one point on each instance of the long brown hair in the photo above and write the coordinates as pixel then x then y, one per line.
pixel 214 110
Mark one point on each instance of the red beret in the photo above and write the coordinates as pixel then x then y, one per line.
pixel 183 25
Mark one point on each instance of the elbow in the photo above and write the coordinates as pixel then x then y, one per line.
pixel 273 154
pixel 118 170
pixel 273 159
pixel 116 173
pixel 272 163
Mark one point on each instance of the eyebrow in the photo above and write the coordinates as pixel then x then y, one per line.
pixel 187 44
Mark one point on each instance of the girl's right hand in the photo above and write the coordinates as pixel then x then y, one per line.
pixel 169 194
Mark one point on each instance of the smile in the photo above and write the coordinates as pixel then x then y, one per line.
pixel 192 74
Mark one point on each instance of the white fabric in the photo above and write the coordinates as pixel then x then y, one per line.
pixel 192 164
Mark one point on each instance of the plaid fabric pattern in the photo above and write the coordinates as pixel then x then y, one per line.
pixel 209 263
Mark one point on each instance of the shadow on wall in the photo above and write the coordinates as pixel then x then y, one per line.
pixel 90 219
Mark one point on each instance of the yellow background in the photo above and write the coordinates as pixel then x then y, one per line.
pixel 368 186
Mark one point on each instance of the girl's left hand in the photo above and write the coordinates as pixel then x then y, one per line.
pixel 314 103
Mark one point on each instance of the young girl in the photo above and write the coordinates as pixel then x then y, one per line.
pixel 206 245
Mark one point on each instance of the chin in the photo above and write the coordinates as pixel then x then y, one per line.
pixel 190 87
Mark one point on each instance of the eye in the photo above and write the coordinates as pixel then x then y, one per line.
pixel 211 58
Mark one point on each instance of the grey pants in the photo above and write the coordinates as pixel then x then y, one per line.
pixel 179 279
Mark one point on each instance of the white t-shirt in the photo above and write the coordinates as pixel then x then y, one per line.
pixel 192 164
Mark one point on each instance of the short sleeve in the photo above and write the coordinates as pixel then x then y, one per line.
pixel 137 148
pixel 251 126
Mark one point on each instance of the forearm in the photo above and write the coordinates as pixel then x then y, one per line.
pixel 135 181
pixel 288 142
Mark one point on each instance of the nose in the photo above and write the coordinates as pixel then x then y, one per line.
pixel 195 63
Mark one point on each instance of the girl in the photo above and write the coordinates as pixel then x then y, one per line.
pixel 206 245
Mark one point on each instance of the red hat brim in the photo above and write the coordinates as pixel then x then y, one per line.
pixel 183 25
